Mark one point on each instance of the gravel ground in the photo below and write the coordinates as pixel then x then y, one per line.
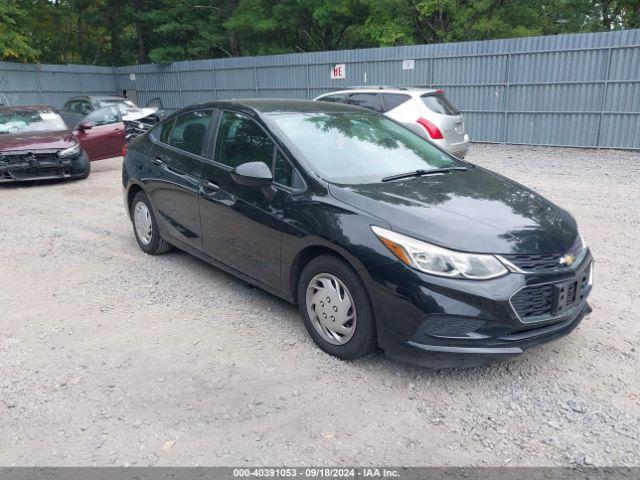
pixel 109 356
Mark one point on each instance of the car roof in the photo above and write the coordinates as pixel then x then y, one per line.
pixel 96 97
pixel 27 108
pixel 280 105
pixel 421 89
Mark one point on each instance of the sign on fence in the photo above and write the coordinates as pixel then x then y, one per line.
pixel 339 72
pixel 408 64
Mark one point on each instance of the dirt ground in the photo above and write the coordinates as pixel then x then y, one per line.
pixel 109 356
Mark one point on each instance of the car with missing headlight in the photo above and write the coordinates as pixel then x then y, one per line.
pixel 36 144
pixel 382 239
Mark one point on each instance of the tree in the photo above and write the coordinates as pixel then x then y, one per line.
pixel 14 40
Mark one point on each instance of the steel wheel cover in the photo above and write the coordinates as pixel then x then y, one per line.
pixel 143 223
pixel 331 308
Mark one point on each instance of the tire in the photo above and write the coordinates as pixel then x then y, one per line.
pixel 315 281
pixel 153 244
pixel 83 168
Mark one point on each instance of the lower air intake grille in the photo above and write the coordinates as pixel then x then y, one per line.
pixel 533 301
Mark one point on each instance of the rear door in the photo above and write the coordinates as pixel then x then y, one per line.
pixel 445 115
pixel 175 168
pixel 105 138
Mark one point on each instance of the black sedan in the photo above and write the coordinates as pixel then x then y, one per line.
pixel 383 239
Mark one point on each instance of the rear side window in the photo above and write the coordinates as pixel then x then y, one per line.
pixel 440 104
pixel 366 100
pixel 336 98
pixel 190 131
pixel 393 100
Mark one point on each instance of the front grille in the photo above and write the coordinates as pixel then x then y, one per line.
pixel 545 261
pixel 533 301
pixel 551 300
pixel 13 157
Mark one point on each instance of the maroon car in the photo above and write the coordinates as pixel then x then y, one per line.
pixel 36 143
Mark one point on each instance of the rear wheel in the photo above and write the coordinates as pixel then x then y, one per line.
pixel 336 308
pixel 145 227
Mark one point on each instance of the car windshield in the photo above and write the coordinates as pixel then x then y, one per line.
pixel 358 147
pixel 24 121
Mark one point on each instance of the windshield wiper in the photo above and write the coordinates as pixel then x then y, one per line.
pixel 421 172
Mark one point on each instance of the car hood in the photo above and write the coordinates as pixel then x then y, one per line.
pixel 36 141
pixel 138 113
pixel 472 211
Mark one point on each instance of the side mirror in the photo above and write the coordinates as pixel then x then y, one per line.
pixel 85 126
pixel 252 174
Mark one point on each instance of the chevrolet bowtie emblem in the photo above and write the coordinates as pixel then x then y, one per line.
pixel 567 260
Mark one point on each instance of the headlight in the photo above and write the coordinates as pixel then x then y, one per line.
pixel 70 152
pixel 440 261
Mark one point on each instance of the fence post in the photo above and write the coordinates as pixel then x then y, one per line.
pixel 255 80
pixel 308 84
pixel 507 81
pixel 215 83
pixel 35 67
pixel 604 96
pixel 431 63
pixel 180 90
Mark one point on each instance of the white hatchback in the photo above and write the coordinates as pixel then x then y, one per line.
pixel 426 111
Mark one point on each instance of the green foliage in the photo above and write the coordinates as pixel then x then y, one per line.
pixel 116 32
pixel 14 40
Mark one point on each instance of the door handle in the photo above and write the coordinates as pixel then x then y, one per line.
pixel 210 185
pixel 157 160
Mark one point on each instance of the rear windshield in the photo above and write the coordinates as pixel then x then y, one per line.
pixel 358 147
pixel 22 121
pixel 438 103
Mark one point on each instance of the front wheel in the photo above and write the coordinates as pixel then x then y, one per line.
pixel 145 227
pixel 336 308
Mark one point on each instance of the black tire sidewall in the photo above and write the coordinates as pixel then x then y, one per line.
pixel 364 341
pixel 156 241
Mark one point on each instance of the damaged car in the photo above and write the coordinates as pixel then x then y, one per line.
pixel 36 144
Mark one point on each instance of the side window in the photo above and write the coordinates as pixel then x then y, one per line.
pixel 75 107
pixel 67 107
pixel 393 100
pixel 85 107
pixel 285 174
pixel 162 131
pixel 282 170
pixel 366 100
pixel 103 116
pixel 337 98
pixel 240 140
pixel 190 131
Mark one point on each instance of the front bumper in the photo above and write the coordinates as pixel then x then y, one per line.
pixel 448 323
pixel 43 166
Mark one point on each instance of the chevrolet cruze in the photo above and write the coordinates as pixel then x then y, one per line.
pixel 383 240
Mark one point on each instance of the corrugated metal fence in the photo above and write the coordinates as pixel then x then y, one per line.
pixel 570 90
pixel 22 84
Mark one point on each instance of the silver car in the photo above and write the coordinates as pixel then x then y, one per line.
pixel 426 111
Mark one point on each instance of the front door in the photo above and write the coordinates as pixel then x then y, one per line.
pixel 242 226
pixel 174 169
pixel 105 138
